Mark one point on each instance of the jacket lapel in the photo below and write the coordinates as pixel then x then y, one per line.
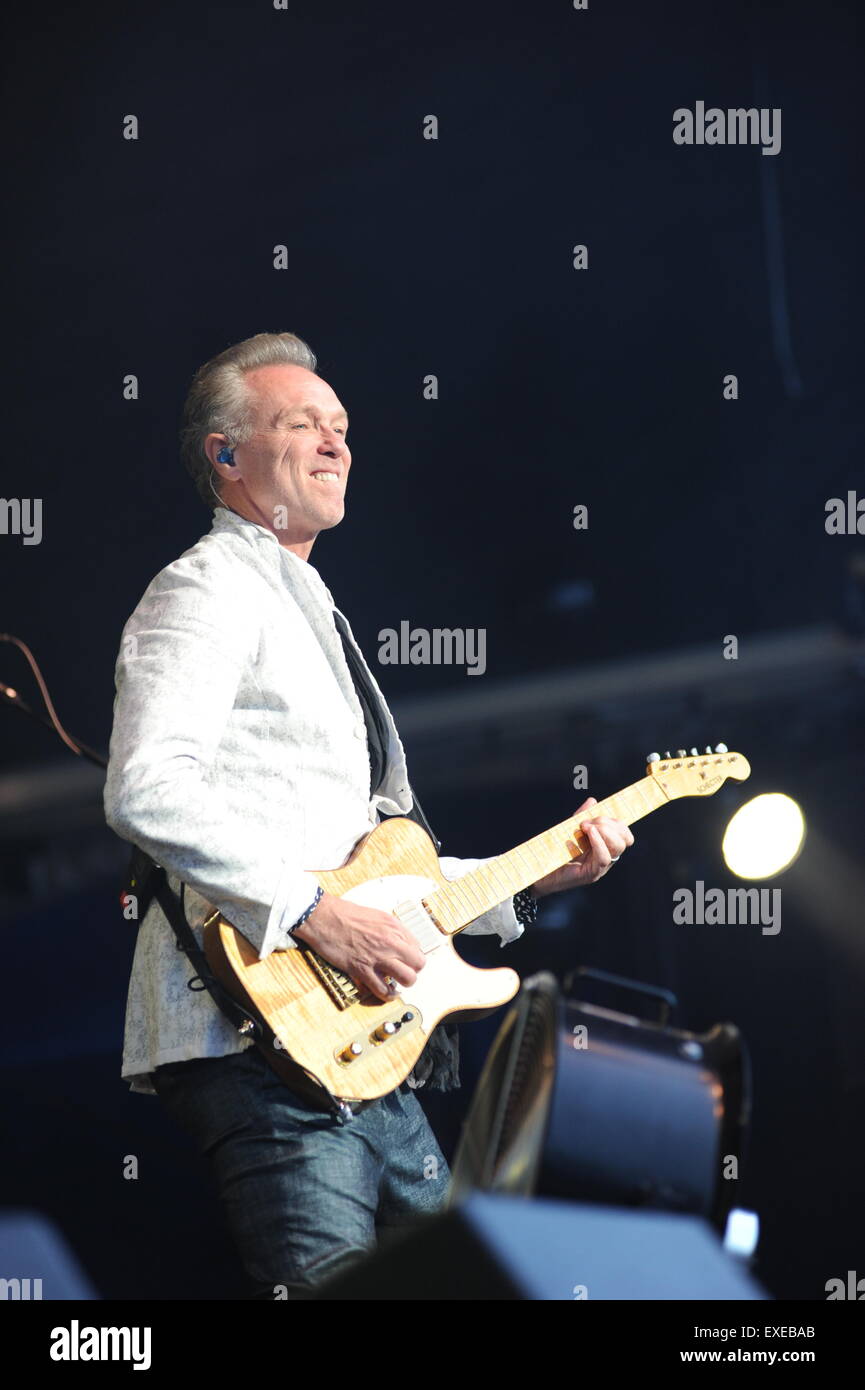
pixel 315 602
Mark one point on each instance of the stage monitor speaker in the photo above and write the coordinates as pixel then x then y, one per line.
pixel 35 1261
pixel 494 1247
pixel 584 1104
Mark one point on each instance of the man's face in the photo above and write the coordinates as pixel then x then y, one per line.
pixel 295 466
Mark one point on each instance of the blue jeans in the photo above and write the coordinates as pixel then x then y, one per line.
pixel 304 1193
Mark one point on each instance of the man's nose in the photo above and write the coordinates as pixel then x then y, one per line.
pixel 332 443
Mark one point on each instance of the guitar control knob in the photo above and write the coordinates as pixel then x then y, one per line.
pixel 407 1018
pixel 385 1030
pixel 349 1053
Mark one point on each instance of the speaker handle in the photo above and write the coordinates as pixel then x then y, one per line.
pixel 664 998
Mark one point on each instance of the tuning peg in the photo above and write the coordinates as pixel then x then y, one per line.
pixel 695 753
pixel 708 748
pixel 653 758
pixel 721 748
pixel 681 752
pixel 668 754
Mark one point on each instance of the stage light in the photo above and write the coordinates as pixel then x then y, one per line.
pixel 764 836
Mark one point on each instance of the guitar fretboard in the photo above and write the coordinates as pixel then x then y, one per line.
pixel 461 902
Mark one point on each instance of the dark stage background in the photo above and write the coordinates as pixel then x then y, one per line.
pixel 406 257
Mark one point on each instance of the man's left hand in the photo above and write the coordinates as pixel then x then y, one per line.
pixel 608 839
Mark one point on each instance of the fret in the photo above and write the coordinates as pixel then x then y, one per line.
pixel 460 902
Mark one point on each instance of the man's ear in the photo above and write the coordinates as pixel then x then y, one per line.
pixel 221 455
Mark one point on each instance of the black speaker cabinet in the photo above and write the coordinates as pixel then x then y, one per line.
pixel 581 1103
pixel 494 1247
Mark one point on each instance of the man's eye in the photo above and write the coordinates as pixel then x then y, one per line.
pixel 301 426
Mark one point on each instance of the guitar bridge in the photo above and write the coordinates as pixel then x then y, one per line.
pixel 341 988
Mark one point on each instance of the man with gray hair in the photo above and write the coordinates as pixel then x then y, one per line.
pixel 250 741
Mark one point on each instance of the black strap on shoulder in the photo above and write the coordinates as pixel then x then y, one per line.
pixel 417 814
pixel 376 727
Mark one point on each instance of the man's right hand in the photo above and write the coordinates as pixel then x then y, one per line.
pixel 364 942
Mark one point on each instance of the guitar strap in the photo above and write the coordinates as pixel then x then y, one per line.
pixel 148 880
pixel 376 728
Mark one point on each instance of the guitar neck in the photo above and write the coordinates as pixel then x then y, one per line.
pixel 457 904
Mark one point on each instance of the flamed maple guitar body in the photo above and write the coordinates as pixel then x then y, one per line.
pixel 303 1000
pixel 327 1033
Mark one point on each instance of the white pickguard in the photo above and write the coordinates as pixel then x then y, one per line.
pixel 390 890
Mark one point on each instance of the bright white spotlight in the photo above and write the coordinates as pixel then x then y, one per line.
pixel 764 836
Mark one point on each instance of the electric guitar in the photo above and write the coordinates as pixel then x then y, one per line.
pixel 324 1031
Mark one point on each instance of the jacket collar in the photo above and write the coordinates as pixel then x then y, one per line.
pixel 265 543
pixel 226 520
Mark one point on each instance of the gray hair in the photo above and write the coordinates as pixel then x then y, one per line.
pixel 219 400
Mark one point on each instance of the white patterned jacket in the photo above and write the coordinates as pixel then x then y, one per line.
pixel 238 757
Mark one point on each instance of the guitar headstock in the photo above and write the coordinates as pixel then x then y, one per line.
pixel 694 773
